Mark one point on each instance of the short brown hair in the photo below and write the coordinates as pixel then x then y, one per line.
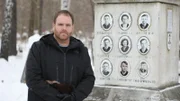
pixel 65 12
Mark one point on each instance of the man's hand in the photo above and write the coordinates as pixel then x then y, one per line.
pixel 52 82
pixel 69 98
pixel 63 88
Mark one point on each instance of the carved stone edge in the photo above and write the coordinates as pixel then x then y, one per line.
pixel 174 2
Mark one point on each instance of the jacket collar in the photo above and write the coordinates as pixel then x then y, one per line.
pixel 50 40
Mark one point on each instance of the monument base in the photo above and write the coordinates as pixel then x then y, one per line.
pixel 113 93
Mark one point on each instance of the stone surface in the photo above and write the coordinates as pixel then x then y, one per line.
pixel 176 2
pixel 155 68
pixel 112 93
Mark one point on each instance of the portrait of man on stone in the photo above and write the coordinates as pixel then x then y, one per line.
pixel 143 45
pixel 125 21
pixel 124 68
pixel 106 44
pixel 117 97
pixel 106 68
pixel 144 21
pixel 124 44
pixel 169 40
pixel 106 21
pixel 143 69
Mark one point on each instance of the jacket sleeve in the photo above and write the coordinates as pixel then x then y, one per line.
pixel 86 84
pixel 34 79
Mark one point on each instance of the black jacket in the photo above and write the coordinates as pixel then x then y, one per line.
pixel 47 61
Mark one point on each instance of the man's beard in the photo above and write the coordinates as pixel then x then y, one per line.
pixel 64 31
pixel 60 36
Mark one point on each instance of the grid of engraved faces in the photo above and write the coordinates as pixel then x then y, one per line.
pixel 124 43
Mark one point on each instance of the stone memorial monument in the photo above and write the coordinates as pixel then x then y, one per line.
pixel 136 50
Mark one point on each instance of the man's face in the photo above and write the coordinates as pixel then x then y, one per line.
pixel 144 19
pixel 125 19
pixel 124 67
pixel 106 19
pixel 63 27
pixel 125 43
pixel 106 67
pixel 106 43
pixel 143 67
pixel 143 43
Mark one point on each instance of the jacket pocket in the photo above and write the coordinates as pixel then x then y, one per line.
pixel 76 74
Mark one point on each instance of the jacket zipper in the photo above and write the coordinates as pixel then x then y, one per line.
pixel 71 74
pixel 64 64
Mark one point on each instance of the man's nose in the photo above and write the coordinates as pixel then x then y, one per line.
pixel 64 27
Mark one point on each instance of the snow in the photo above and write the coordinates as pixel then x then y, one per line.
pixel 11 89
pixel 32 39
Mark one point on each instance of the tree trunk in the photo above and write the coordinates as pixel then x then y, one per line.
pixel 12 45
pixel 31 20
pixel 7 29
pixel 36 16
pixel 40 16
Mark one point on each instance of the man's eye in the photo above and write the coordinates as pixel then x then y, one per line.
pixel 60 24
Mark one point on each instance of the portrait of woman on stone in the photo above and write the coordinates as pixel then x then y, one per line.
pixel 124 68
pixel 143 69
pixel 106 21
pixel 144 21
pixel 124 44
pixel 125 21
pixel 106 44
pixel 143 45
pixel 106 68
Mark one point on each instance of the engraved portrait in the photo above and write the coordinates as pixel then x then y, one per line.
pixel 117 97
pixel 143 69
pixel 125 44
pixel 143 45
pixel 125 21
pixel 124 68
pixel 106 21
pixel 106 68
pixel 144 21
pixel 106 44
pixel 169 41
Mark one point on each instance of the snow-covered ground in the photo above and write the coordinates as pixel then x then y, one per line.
pixel 11 89
pixel 10 73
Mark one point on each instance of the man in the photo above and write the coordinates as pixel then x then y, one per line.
pixel 106 24
pixel 125 21
pixel 144 24
pixel 58 66
pixel 106 46
pixel 124 44
pixel 143 44
pixel 143 69
pixel 124 68
pixel 106 68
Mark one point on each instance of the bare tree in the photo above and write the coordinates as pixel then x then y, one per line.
pixel 36 16
pixel 12 45
pixel 31 27
pixel 7 28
